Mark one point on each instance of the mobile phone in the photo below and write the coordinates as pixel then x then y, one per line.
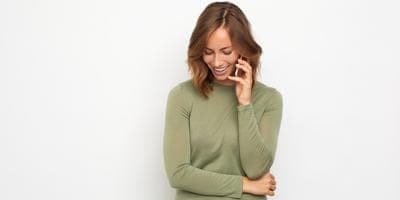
pixel 237 69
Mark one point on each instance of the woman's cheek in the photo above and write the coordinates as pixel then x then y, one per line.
pixel 206 58
pixel 232 60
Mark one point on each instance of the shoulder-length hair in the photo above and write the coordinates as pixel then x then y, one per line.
pixel 230 17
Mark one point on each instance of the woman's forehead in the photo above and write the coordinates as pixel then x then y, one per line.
pixel 219 39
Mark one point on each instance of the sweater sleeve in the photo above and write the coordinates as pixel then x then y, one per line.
pixel 257 140
pixel 176 147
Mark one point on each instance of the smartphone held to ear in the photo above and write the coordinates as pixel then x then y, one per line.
pixel 237 69
pixel 236 72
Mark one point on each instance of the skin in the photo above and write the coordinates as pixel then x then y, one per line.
pixel 265 185
pixel 220 53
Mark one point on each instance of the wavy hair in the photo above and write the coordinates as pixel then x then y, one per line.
pixel 230 17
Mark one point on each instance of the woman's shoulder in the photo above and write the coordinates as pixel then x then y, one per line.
pixel 183 87
pixel 266 91
pixel 184 91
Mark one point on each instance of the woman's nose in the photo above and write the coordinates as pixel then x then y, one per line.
pixel 217 62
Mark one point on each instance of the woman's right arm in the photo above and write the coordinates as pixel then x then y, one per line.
pixel 176 147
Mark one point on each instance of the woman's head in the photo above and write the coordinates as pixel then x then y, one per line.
pixel 221 34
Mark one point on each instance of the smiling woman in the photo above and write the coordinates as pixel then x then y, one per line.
pixel 221 130
pixel 222 33
pixel 220 56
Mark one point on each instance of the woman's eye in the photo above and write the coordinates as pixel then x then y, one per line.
pixel 207 52
pixel 227 53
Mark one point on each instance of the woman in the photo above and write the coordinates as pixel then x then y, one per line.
pixel 221 130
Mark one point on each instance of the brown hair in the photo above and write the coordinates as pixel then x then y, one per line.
pixel 229 16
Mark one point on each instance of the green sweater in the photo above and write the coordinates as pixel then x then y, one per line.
pixel 210 144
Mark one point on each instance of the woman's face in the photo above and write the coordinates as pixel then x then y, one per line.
pixel 220 56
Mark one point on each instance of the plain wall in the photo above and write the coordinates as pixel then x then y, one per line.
pixel 83 88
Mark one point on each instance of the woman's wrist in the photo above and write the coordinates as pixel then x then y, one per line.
pixel 244 103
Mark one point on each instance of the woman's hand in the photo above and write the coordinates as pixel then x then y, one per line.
pixel 265 185
pixel 243 83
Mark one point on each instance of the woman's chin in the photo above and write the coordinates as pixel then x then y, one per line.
pixel 224 79
pixel 221 78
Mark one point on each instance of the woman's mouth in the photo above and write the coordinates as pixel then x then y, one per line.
pixel 220 71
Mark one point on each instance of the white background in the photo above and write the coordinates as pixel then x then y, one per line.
pixel 83 88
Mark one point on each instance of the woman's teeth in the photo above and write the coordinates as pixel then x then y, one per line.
pixel 220 71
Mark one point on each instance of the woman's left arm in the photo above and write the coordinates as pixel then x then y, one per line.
pixel 257 141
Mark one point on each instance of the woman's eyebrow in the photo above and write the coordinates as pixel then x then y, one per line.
pixel 221 48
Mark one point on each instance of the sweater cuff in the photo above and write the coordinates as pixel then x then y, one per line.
pixel 239 188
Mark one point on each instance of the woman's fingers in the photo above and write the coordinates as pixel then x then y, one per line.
pixel 244 68
pixel 246 64
pixel 271 183
pixel 272 188
pixel 244 82
pixel 270 193
pixel 272 176
pixel 237 79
